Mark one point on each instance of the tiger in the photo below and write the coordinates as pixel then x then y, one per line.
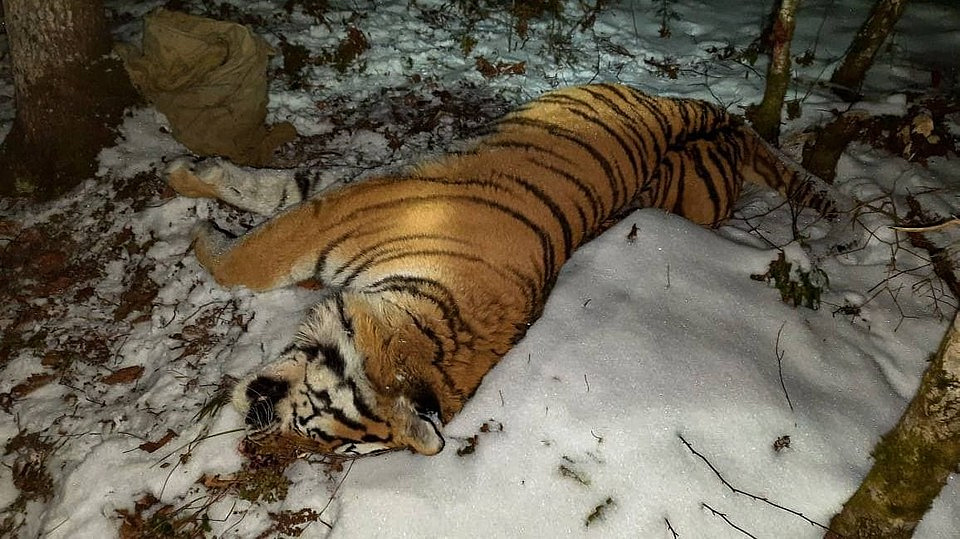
pixel 430 275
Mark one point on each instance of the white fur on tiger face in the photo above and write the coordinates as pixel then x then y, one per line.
pixel 318 390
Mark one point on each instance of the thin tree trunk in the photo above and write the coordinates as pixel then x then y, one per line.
pixel 69 96
pixel 820 157
pixel 848 78
pixel 913 461
pixel 766 116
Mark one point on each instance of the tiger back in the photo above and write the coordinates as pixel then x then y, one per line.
pixel 432 275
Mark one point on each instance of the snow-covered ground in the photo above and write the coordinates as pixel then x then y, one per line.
pixel 657 365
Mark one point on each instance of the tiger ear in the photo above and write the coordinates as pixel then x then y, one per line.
pixel 421 434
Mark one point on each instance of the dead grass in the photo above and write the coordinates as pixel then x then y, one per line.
pixel 151 519
pixel 290 523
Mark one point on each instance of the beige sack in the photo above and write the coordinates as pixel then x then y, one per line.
pixel 209 78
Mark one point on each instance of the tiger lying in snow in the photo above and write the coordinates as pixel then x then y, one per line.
pixel 432 275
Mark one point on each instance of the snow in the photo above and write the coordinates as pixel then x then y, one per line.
pixel 642 341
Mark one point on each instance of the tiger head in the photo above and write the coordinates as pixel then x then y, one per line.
pixel 335 390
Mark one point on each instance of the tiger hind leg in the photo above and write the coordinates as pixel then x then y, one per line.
pixel 273 255
pixel 262 191
pixel 269 256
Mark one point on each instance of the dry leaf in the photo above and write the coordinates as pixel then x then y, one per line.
pixel 150 447
pixel 490 71
pixel 486 68
pixel 123 376
pixel 216 482
pixel 31 384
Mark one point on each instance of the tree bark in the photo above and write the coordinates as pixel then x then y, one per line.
pixel 848 78
pixel 913 461
pixel 820 156
pixel 69 95
pixel 766 116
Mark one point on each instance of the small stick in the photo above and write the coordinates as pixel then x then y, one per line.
pixel 670 529
pixel 727 520
pixel 336 489
pixel 779 353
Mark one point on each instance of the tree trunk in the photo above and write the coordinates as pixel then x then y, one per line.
pixel 69 96
pixel 766 116
pixel 912 461
pixel 821 155
pixel 848 78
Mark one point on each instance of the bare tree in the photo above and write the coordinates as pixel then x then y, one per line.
pixel 766 116
pixel 69 95
pixel 822 155
pixel 848 78
pixel 913 461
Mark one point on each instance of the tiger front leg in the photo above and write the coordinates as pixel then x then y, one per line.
pixel 262 191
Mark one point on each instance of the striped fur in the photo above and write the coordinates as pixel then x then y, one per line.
pixel 432 275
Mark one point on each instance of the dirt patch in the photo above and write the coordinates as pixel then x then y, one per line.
pixel 31 452
pixel 297 57
pixel 424 113
pixel 139 294
pixel 291 523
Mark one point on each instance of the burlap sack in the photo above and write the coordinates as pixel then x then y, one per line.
pixel 209 78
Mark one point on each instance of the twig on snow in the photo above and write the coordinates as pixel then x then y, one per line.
pixel 727 520
pixel 735 490
pixel 333 494
pixel 779 353
pixel 670 529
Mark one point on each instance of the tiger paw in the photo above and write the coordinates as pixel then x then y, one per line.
pixel 195 180
pixel 210 238
pixel 210 244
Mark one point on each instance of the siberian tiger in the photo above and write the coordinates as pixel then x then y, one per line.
pixel 432 275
